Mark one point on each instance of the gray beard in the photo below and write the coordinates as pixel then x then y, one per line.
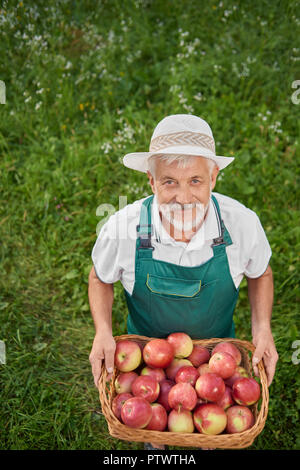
pixel 179 216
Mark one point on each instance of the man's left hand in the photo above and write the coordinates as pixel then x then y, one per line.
pixel 265 349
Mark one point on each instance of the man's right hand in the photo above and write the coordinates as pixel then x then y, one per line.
pixel 103 348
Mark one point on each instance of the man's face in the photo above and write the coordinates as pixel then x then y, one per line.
pixel 183 194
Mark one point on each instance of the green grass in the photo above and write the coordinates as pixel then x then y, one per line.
pixel 85 84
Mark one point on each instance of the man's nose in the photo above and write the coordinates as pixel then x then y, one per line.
pixel 184 196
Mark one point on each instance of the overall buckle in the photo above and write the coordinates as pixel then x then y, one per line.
pixel 145 243
pixel 145 238
pixel 218 241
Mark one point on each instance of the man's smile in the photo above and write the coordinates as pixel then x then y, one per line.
pixel 183 217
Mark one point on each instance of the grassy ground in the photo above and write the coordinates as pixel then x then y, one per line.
pixel 86 82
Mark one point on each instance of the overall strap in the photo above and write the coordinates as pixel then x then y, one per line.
pixel 145 230
pixel 224 238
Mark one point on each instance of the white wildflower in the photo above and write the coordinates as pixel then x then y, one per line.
pixel 106 147
pixel 198 96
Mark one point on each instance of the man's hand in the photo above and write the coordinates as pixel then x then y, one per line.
pixel 101 298
pixel 260 291
pixel 265 349
pixel 103 348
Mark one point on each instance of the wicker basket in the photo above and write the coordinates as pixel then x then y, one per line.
pixel 196 439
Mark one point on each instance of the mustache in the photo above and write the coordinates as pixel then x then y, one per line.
pixel 175 206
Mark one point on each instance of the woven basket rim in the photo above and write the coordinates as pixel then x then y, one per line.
pixel 195 439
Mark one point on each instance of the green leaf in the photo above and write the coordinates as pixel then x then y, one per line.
pixel 248 189
pixel 39 346
pixel 70 275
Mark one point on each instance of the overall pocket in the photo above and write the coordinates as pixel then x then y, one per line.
pixel 173 286
pixel 182 305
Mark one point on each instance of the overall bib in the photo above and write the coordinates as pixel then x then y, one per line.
pixel 168 298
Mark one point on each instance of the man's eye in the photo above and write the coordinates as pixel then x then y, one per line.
pixel 168 182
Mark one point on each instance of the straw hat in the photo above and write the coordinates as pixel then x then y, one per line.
pixel 178 134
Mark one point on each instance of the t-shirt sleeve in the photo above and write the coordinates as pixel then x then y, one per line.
pixel 105 254
pixel 260 252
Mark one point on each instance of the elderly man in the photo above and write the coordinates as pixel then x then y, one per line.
pixel 182 265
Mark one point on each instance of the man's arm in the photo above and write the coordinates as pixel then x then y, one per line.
pixel 101 297
pixel 260 292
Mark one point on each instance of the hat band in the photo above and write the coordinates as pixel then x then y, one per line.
pixel 182 138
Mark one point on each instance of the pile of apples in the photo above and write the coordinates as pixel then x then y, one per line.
pixel 173 385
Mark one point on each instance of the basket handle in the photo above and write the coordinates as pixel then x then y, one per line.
pixel 105 389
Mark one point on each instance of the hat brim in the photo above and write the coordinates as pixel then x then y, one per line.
pixel 139 160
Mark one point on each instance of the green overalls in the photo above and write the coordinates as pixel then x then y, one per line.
pixel 167 297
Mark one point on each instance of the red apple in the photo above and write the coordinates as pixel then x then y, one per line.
pixel 199 355
pixel 158 353
pixel 175 366
pixel 246 391
pixel 180 421
pixel 238 374
pixel 223 364
pixel 124 381
pixel 165 387
pixel 157 373
pixel 204 368
pixel 210 387
pixel 182 396
pixel 136 412
pixel 128 355
pixel 229 348
pixel 226 400
pixel 210 419
pixel 146 387
pixel 188 374
pixel 181 343
pixel 159 418
pixel 239 419
pixel 118 402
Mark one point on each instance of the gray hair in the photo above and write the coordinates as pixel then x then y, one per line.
pixel 183 161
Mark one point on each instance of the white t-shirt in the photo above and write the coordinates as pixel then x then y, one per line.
pixel 113 254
